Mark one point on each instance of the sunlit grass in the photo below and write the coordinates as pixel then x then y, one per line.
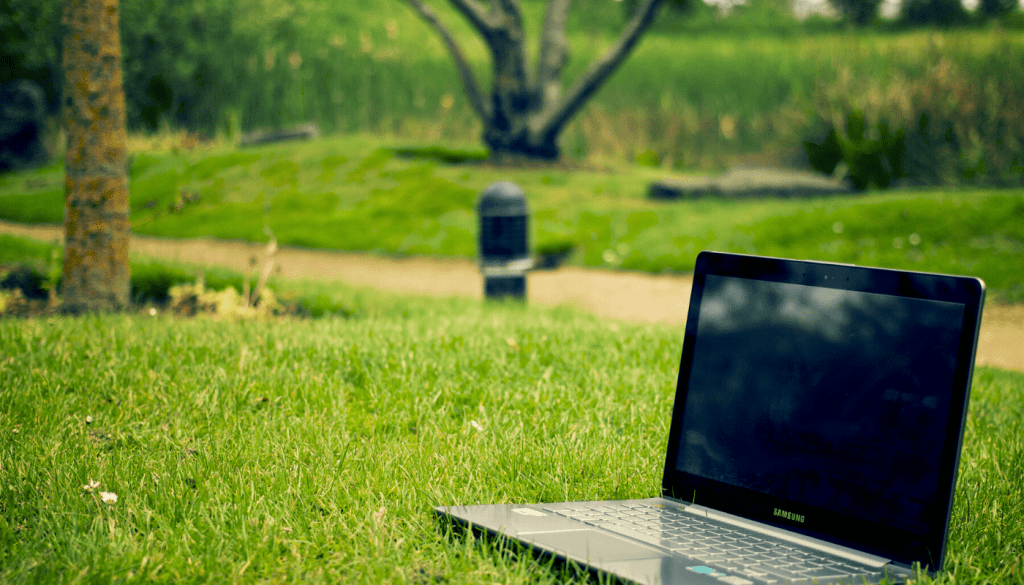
pixel 312 449
pixel 325 194
pixel 315 450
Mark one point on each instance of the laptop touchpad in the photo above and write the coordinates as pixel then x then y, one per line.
pixel 591 545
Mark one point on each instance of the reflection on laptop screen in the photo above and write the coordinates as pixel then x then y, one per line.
pixel 785 392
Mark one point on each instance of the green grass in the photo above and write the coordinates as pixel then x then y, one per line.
pixel 151 280
pixel 698 91
pixel 315 450
pixel 353 193
pixel 16 250
pixel 376 67
pixel 696 97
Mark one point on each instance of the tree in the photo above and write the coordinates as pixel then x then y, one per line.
pixel 96 222
pixel 527 111
pixel 996 8
pixel 857 12
pixel 934 12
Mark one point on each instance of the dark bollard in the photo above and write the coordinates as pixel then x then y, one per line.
pixel 504 241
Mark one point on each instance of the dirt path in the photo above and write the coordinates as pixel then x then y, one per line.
pixel 628 296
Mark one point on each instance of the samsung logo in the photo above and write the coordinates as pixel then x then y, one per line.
pixel 789 515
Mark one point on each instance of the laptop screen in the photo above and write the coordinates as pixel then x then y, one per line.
pixel 823 400
pixel 835 398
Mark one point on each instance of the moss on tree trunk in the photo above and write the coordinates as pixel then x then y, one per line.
pixel 96 213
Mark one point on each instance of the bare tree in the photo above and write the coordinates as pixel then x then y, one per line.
pixel 96 222
pixel 527 111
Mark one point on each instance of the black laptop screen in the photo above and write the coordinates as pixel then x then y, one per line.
pixel 833 398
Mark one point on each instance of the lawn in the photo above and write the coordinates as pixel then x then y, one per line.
pixel 328 193
pixel 314 450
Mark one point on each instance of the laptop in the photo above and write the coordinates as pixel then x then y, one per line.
pixel 815 435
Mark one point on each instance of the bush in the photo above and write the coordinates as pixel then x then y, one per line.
pixel 858 12
pixel 648 158
pixel 996 8
pixel 151 282
pixel 934 12
pixel 29 271
pixel 24 277
pixel 874 156
pixel 30 30
pixel 183 61
pixel 954 123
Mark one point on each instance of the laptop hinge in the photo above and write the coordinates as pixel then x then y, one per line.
pixel 807 541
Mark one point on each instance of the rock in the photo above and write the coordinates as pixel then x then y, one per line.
pixel 22 125
pixel 308 131
pixel 745 182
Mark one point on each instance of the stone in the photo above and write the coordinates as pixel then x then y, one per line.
pixel 308 131
pixel 745 182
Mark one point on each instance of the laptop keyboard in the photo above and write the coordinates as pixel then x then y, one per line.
pixel 725 547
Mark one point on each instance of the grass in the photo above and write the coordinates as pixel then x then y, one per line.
pixel 698 93
pixel 325 194
pixel 151 281
pixel 314 450
pixel 16 250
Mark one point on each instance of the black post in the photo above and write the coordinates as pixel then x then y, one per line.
pixel 504 240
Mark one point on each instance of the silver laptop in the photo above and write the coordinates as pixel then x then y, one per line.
pixel 815 435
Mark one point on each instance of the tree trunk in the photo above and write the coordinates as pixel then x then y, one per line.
pixel 514 100
pixel 96 221
pixel 526 114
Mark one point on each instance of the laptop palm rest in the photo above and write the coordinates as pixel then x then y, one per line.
pixel 590 545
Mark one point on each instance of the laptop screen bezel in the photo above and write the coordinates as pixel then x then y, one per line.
pixel 900 545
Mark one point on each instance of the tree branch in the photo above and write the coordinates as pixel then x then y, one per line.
pixel 475 14
pixel 507 44
pixel 468 80
pixel 553 120
pixel 554 51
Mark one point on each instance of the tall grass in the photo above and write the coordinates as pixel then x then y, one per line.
pixel 696 99
pixel 698 92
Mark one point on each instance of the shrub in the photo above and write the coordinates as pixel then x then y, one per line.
pixel 874 156
pixel 25 278
pixel 30 30
pixel 954 123
pixel 934 12
pixel 858 12
pixel 648 158
pixel 996 8
pixel 151 282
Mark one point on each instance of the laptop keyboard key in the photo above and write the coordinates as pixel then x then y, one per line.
pixel 644 537
pixel 739 552
pixel 825 574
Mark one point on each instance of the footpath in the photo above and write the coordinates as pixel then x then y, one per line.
pixel 626 296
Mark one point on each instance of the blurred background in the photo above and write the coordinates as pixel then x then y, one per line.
pixel 709 85
pixel 915 111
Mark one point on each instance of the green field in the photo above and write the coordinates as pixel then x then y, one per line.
pixel 314 450
pixel 699 92
pixel 353 193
